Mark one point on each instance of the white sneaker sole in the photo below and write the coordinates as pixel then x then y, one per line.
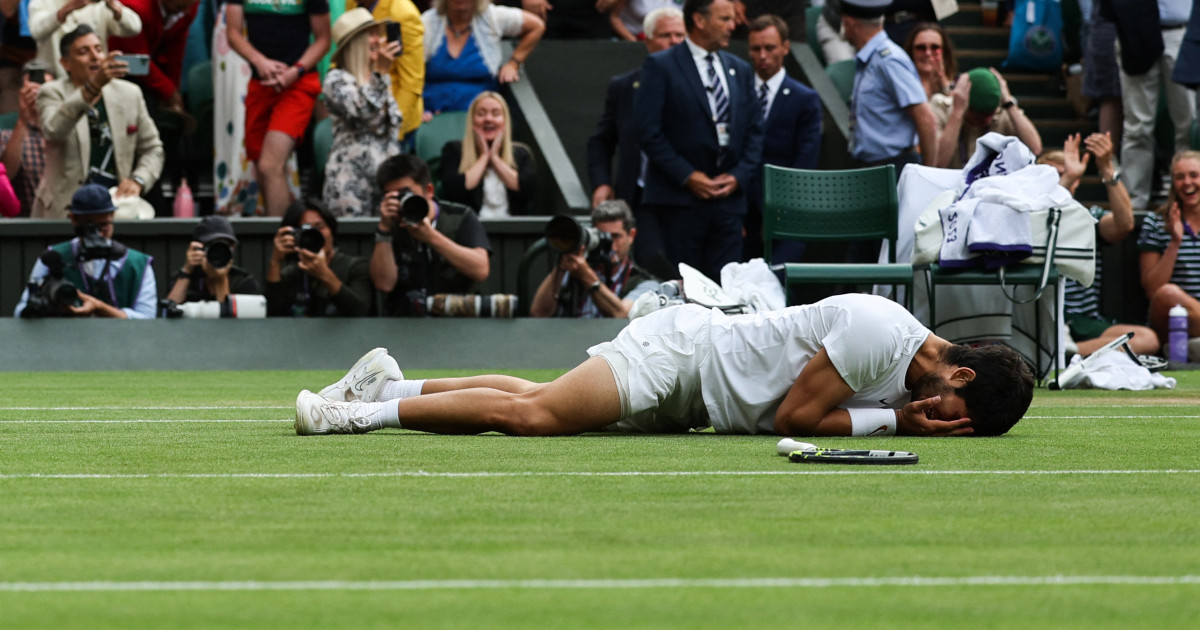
pixel 304 414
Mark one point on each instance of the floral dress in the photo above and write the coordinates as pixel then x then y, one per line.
pixel 366 128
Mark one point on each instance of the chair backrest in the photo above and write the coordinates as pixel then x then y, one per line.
pixel 842 75
pixel 322 140
pixel 200 87
pixel 824 206
pixel 9 120
pixel 434 135
pixel 810 30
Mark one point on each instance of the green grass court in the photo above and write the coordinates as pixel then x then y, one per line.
pixel 184 500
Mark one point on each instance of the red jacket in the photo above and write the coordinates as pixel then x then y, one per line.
pixel 165 47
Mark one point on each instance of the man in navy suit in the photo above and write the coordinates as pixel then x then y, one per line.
pixel 616 134
pixel 700 126
pixel 791 124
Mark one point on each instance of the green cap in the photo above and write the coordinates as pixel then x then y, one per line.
pixel 985 91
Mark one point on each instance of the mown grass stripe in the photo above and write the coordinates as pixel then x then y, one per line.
pixel 662 473
pixel 651 583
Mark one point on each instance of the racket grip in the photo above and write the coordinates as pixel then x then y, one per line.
pixel 787 445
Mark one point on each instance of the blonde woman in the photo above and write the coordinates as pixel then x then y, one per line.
pixel 486 170
pixel 1169 248
pixel 366 119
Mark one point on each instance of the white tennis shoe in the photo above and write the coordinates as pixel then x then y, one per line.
pixel 317 416
pixel 365 380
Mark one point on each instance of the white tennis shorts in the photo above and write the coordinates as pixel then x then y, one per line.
pixel 656 362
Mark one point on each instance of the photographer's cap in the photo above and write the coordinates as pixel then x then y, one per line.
pixel 92 199
pixel 212 228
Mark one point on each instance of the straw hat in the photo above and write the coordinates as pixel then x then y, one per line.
pixel 350 24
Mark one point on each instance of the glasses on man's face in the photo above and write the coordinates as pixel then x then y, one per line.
pixel 930 48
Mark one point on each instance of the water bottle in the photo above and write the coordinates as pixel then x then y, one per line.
pixel 1177 334
pixel 185 207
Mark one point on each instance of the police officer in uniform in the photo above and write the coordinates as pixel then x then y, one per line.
pixel 889 115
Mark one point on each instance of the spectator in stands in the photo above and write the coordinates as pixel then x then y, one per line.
pixel 17 48
pixel 980 102
pixel 616 135
pixel 50 20
pixel 112 280
pixel 583 285
pixel 1143 77
pixel 22 148
pixel 933 55
pixel 791 124
pixel 832 39
pixel 283 43
pixel 701 156
pixel 96 126
pixel 486 170
pixel 1101 75
pixel 366 119
pixel 208 274
pixel 888 107
pixel 163 37
pixel 408 69
pixel 445 252
pixel 1169 248
pixel 307 275
pixel 627 17
pixel 1089 328
pixel 462 50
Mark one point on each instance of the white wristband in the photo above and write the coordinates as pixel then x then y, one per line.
pixel 872 422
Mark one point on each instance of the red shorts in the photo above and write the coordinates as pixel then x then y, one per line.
pixel 288 111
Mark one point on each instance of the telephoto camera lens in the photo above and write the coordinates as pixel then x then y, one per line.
pixel 218 254
pixel 310 238
pixel 414 208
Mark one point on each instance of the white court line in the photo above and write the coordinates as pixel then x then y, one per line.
pixel 653 583
pixel 666 473
pixel 1113 417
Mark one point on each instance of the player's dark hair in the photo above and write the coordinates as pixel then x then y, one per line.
pixel 766 21
pixel 64 44
pixel 401 166
pixel 1001 391
pixel 691 8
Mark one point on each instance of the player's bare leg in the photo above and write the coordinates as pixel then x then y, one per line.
pixel 584 399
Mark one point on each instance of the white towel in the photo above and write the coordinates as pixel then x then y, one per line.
pixel 1115 370
pixel 956 221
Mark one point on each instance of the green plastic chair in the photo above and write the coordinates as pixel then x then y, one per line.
pixel 434 135
pixel 9 120
pixel 834 206
pixel 321 141
pixel 810 32
pixel 842 75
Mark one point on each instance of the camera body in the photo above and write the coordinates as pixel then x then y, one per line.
pixel 54 295
pixel 93 246
pixel 566 235
pixel 308 238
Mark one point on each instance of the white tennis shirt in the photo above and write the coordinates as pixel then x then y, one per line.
pixel 755 359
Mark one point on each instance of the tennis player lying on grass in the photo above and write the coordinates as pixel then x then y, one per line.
pixel 847 365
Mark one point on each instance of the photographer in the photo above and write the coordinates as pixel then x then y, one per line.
pixel 602 281
pixel 307 276
pixel 423 246
pixel 110 279
pixel 209 274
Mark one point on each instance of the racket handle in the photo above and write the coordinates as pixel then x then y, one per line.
pixel 787 445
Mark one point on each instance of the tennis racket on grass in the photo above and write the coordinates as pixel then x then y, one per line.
pixel 803 452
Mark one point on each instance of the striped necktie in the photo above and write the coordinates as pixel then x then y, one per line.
pixel 762 98
pixel 720 98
